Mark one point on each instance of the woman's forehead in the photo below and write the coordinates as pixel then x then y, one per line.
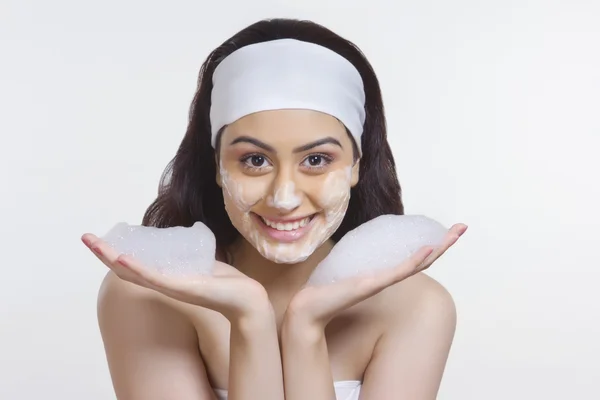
pixel 281 128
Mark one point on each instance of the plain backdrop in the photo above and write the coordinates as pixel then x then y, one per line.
pixel 493 111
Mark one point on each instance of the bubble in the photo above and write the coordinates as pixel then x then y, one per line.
pixel 171 251
pixel 384 242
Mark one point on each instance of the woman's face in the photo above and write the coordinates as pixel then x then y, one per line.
pixel 286 177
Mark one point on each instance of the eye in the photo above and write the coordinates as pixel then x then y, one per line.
pixel 314 161
pixel 317 161
pixel 255 161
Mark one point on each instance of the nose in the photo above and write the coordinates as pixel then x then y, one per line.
pixel 284 197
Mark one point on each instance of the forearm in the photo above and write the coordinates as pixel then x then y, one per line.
pixel 255 370
pixel 306 368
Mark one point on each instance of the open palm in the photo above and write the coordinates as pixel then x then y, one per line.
pixel 225 290
pixel 319 304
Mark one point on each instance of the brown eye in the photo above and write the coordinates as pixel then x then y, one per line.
pixel 314 161
pixel 317 161
pixel 257 161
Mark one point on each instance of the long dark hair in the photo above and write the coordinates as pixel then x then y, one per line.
pixel 188 190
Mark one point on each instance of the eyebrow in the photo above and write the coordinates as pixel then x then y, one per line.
pixel 306 147
pixel 256 142
pixel 317 143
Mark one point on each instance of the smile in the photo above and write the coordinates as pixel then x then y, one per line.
pixel 285 231
pixel 287 226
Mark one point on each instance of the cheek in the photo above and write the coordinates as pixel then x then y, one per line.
pixel 335 192
pixel 242 193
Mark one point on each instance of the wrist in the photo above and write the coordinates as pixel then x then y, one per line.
pixel 298 316
pixel 299 328
pixel 252 304
pixel 260 316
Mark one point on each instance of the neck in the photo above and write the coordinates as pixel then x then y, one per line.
pixel 270 274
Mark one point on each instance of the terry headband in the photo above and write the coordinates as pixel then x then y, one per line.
pixel 287 74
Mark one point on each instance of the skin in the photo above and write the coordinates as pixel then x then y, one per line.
pixel 264 173
pixel 254 329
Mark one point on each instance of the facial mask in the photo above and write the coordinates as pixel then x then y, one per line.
pixel 333 200
pixel 244 196
pixel 285 197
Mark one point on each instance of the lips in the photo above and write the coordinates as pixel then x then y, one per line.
pixel 285 231
pixel 287 226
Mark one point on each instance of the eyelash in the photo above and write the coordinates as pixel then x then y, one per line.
pixel 244 161
pixel 326 158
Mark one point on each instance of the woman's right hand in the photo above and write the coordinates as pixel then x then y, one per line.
pixel 226 290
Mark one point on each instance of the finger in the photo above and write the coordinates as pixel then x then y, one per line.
pixel 350 291
pixel 176 287
pixel 448 241
pixel 414 263
pixel 97 247
pixel 108 256
pixel 88 238
pixel 409 267
pixel 356 289
pixel 143 275
pixel 203 291
pixel 130 269
pixel 454 233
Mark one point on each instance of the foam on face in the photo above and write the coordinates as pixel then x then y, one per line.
pixel 285 197
pixel 333 200
pixel 384 242
pixel 172 251
pixel 244 196
pixel 335 197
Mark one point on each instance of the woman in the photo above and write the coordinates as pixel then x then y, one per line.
pixel 285 152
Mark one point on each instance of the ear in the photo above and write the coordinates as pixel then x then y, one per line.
pixel 355 173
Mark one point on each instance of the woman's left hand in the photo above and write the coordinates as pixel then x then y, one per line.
pixel 317 305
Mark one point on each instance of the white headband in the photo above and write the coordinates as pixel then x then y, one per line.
pixel 287 74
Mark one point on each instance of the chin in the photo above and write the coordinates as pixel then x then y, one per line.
pixel 283 253
pixel 288 260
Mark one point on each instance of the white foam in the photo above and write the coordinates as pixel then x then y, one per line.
pixel 383 242
pixel 285 197
pixel 173 251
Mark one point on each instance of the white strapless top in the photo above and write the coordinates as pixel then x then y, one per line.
pixel 344 390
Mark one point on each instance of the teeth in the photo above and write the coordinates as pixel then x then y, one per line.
pixel 288 226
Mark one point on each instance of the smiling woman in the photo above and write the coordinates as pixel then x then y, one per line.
pixel 287 193
pixel 285 153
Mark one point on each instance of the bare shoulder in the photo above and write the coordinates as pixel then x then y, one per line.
pixel 116 294
pixel 417 320
pixel 124 308
pixel 121 300
pixel 419 298
pixel 112 286
pixel 149 344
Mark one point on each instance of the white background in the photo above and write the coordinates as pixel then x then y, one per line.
pixel 493 111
